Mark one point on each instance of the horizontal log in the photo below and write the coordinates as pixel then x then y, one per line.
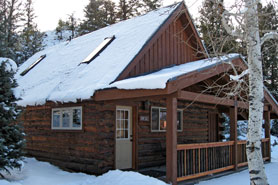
pixel 203 98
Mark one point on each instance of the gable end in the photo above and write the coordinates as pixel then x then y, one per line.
pixel 175 42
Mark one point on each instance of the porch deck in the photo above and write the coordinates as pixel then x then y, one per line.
pixel 197 160
pixel 203 161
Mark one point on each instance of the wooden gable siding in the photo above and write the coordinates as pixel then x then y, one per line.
pixel 173 47
pixel 177 42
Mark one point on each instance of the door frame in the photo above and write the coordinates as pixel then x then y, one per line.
pixel 133 132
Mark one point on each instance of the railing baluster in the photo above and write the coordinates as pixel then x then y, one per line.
pixel 194 161
pixel 199 161
pixel 185 162
pixel 206 159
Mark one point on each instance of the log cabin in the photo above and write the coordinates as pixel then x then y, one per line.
pixel 102 101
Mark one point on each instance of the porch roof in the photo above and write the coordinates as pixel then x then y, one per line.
pixel 159 79
pixel 171 81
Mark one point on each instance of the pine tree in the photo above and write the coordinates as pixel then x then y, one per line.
pixel 268 20
pixel 98 14
pixel 10 11
pixel 11 135
pixel 72 25
pixel 60 29
pixel 149 5
pixel 128 8
pixel 30 38
pixel 216 38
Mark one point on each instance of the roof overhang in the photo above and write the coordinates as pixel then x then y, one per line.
pixel 175 86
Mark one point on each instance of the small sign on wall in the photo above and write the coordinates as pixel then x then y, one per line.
pixel 144 118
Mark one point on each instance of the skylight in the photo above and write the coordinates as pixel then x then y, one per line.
pixel 99 49
pixel 32 65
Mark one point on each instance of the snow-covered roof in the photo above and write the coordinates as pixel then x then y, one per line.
pixel 159 79
pixel 10 65
pixel 59 77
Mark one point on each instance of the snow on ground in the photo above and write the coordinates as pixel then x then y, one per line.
pixel 42 173
pixel 51 38
pixel 242 178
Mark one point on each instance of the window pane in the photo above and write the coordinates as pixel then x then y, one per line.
pixel 122 124
pixel 66 118
pixel 118 114
pixel 76 118
pixel 163 119
pixel 118 124
pixel 122 115
pixel 155 118
pixel 126 115
pixel 56 118
pixel 126 124
pixel 120 134
pixel 179 120
pixel 126 133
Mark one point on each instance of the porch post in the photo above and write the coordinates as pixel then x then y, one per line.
pixel 267 131
pixel 171 140
pixel 233 133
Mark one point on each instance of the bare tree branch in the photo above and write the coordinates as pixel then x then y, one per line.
pixel 268 36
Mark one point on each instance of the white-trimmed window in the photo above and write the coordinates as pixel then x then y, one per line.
pixel 159 122
pixel 122 123
pixel 67 118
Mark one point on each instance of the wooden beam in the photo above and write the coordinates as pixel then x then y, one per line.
pixel 205 173
pixel 269 99
pixel 210 99
pixel 117 94
pixel 200 75
pixel 244 115
pixel 267 131
pixel 233 134
pixel 135 137
pixel 171 141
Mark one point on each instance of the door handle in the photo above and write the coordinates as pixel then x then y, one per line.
pixel 131 137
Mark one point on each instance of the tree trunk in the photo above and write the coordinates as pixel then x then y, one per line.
pixel 256 96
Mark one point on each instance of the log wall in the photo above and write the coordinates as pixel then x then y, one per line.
pixel 90 150
pixel 152 145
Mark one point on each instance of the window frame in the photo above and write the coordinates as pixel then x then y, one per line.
pixel 71 118
pixel 128 109
pixel 164 108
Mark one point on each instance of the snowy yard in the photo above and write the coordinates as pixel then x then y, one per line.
pixel 42 173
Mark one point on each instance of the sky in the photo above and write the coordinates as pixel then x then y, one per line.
pixel 48 12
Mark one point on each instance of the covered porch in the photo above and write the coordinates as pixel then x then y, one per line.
pixel 190 160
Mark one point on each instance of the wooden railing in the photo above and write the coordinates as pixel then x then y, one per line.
pixel 196 160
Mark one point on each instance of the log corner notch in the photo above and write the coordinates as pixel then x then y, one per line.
pixel 171 140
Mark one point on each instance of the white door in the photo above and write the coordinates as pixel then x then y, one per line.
pixel 123 137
